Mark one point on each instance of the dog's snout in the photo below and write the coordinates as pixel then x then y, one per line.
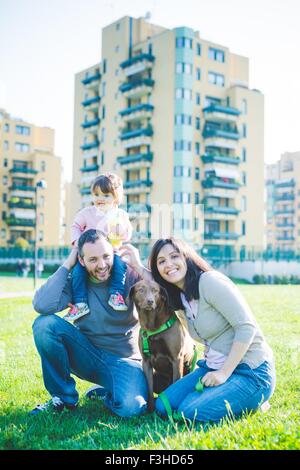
pixel 150 302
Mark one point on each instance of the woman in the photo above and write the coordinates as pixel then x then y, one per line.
pixel 237 372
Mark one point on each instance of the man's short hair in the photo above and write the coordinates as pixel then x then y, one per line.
pixel 90 236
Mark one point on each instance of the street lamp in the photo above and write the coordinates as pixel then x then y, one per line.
pixel 39 185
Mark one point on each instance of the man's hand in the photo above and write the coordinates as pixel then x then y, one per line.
pixel 212 379
pixel 72 259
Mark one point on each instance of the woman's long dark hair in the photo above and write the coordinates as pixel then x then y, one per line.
pixel 195 267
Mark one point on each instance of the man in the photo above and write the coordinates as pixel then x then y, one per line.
pixel 101 348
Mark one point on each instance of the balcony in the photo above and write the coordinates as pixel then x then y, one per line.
pixel 221 210
pixel 85 190
pixel 285 183
pixel 91 145
pixel 21 205
pixel 218 183
pixel 94 167
pixel 137 63
pixel 23 170
pixel 221 236
pixel 285 197
pixel 221 113
pixel 91 79
pixel 286 238
pixel 285 225
pixel 136 113
pixel 220 159
pixel 137 88
pixel 131 134
pixel 14 222
pixel 20 187
pixel 88 124
pixel 139 210
pixel 140 160
pixel 137 183
pixel 211 132
pixel 284 211
pixel 91 104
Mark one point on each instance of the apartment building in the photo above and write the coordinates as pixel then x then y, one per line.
pixel 173 114
pixel 283 203
pixel 30 209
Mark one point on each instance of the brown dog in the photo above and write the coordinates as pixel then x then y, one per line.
pixel 167 355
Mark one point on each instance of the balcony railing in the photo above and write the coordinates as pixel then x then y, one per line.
pixel 284 211
pixel 25 170
pixel 138 207
pixel 147 157
pixel 90 101
pixel 285 184
pixel 137 58
pixel 221 236
pixel 21 205
pixel 217 183
pixel 12 221
pixel 221 133
pixel 91 79
pixel 87 124
pixel 221 210
pixel 285 225
pixel 218 108
pixel 136 83
pixel 130 134
pixel 220 159
pixel 134 109
pixel 85 190
pixel 90 145
pixel 89 168
pixel 284 197
pixel 137 183
pixel 286 238
pixel 22 187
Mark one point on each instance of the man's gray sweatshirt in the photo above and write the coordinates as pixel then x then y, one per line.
pixel 107 329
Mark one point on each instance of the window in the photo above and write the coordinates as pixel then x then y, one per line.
pixel 23 130
pixel 244 203
pixel 197 148
pixel 244 178
pixel 117 71
pixel 104 66
pixel 198 49
pixel 103 135
pixel 41 201
pixel 182 67
pixel 41 235
pixel 185 119
pixel 43 165
pixel 184 43
pixel 6 145
pixel 118 27
pixel 103 88
pixel 3 233
pixel 244 154
pixel 244 106
pixel 183 93
pixel 5 162
pixel 209 100
pixel 180 171
pixel 198 101
pixel 183 145
pixel 243 228
pixel 197 198
pixel 103 112
pixel 3 215
pixel 6 127
pixel 197 173
pixel 4 197
pixel 117 48
pixel 216 54
pixel 244 130
pixel 198 74
pixel 102 158
pixel 20 147
pixel 196 224
pixel 216 79
pixel 197 123
pixel 41 219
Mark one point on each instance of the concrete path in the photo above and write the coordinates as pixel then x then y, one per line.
pixel 14 295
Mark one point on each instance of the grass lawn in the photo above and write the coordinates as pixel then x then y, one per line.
pixel 17 284
pixel 92 427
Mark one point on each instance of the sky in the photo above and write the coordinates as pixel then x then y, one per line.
pixel 44 43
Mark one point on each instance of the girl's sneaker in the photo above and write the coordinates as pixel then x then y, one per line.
pixel 117 302
pixel 77 311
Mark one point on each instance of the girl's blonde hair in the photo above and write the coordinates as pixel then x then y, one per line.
pixel 109 183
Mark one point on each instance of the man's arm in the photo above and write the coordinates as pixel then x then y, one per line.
pixel 55 295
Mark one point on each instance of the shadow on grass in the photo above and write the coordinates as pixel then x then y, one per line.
pixel 91 426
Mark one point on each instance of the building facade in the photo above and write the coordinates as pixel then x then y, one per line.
pixel 28 209
pixel 283 203
pixel 174 116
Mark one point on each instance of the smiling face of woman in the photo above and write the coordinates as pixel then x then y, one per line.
pixel 172 266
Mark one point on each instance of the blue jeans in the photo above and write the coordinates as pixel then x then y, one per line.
pixel 79 280
pixel 64 350
pixel 245 390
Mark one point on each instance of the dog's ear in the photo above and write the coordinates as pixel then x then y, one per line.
pixel 130 294
pixel 164 297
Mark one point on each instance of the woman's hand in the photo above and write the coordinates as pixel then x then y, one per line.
pixel 72 259
pixel 212 379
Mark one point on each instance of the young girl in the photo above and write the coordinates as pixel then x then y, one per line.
pixel 237 373
pixel 103 215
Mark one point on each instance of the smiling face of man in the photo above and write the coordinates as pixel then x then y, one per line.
pixel 98 259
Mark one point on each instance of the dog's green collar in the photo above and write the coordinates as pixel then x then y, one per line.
pixel 146 333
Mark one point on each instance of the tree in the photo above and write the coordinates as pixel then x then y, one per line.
pixel 22 243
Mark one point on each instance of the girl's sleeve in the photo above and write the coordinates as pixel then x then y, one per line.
pixel 78 226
